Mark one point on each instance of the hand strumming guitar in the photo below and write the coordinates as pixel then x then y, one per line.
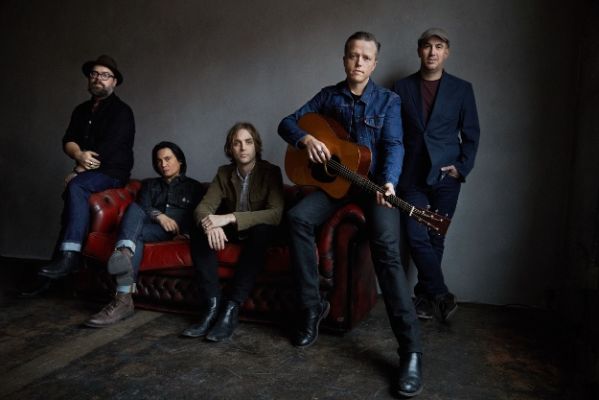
pixel 317 150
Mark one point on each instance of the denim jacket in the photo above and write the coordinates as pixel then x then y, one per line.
pixel 176 199
pixel 373 121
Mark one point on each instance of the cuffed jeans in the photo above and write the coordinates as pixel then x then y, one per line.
pixel 427 246
pixel 383 228
pixel 76 208
pixel 251 261
pixel 136 229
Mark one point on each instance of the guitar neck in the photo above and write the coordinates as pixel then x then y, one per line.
pixel 368 186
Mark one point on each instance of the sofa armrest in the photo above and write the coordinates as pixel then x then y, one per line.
pixel 107 207
pixel 350 213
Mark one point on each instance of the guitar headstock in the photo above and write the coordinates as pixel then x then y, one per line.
pixel 434 221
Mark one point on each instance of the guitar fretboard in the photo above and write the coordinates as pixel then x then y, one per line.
pixel 366 184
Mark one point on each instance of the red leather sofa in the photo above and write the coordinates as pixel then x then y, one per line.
pixel 166 279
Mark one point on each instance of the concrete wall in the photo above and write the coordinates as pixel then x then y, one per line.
pixel 193 68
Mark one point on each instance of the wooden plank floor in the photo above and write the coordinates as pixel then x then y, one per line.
pixel 487 353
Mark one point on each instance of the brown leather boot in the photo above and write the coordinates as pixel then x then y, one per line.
pixel 118 309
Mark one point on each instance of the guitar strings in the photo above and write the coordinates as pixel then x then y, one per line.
pixel 360 180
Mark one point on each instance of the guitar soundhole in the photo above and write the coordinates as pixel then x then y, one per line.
pixel 323 174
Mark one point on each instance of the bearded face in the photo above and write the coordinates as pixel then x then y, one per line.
pixel 101 82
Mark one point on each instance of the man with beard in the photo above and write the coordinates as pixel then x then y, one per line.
pixel 99 139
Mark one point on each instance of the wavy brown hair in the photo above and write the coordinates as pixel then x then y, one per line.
pixel 253 133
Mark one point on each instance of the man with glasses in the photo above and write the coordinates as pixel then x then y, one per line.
pixel 99 139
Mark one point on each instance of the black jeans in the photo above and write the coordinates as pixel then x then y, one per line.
pixel 383 228
pixel 251 261
pixel 426 246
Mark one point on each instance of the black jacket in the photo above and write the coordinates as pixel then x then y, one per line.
pixel 177 199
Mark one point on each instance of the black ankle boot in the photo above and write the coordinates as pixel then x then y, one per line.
pixel 409 383
pixel 226 323
pixel 307 331
pixel 68 262
pixel 207 317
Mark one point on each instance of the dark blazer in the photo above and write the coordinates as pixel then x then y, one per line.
pixel 451 135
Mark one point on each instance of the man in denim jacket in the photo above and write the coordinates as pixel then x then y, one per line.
pixel 163 211
pixel 372 117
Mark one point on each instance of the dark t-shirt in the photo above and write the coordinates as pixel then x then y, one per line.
pixel 428 89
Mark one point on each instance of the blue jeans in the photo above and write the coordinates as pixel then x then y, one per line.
pixel 76 208
pixel 136 229
pixel 426 246
pixel 383 229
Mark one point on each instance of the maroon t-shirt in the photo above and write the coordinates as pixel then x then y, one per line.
pixel 428 89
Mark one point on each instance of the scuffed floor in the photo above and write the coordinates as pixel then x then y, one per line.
pixel 486 353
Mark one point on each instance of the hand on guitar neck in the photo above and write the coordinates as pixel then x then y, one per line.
pixel 389 191
pixel 317 150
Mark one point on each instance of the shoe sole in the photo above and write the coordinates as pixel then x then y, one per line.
pixel 451 313
pixel 35 293
pixel 424 316
pixel 447 317
pixel 215 339
pixel 192 335
pixel 406 395
pixel 323 315
pixel 50 275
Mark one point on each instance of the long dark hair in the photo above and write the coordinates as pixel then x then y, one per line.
pixel 176 151
pixel 253 133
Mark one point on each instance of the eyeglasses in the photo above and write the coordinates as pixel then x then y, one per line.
pixel 104 76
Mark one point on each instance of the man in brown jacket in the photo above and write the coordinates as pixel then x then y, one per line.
pixel 248 193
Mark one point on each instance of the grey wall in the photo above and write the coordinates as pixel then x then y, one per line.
pixel 192 69
pixel 577 296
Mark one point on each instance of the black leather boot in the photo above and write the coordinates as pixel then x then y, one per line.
pixel 68 262
pixel 207 317
pixel 226 323
pixel 409 383
pixel 307 331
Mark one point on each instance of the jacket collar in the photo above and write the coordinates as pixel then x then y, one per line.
pixel 343 88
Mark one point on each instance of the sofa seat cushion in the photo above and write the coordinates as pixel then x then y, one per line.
pixel 175 254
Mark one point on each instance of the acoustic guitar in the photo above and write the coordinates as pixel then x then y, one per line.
pixel 349 164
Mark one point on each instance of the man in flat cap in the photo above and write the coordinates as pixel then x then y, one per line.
pixel 441 135
pixel 99 139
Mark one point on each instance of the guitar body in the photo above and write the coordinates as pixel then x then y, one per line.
pixel 302 171
pixel 349 164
